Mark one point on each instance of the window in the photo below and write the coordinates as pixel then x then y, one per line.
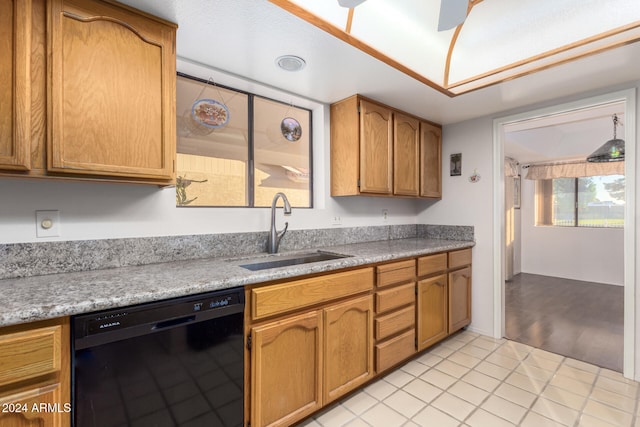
pixel 595 201
pixel 239 149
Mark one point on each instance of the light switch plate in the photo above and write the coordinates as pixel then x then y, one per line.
pixel 47 223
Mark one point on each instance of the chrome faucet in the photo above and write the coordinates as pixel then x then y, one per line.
pixel 274 236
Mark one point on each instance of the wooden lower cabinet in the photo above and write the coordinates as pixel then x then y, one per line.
pixel 348 358
pixel 394 325
pixel 315 339
pixel 19 410
pixel 395 350
pixel 286 357
pixel 311 343
pixel 35 375
pixel 306 361
pixel 459 299
pixel 432 301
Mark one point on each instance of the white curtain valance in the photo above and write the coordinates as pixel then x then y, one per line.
pixel 511 167
pixel 574 170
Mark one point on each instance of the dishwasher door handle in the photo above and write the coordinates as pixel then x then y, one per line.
pixel 173 322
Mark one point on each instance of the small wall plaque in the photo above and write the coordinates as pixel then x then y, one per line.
pixel 456 164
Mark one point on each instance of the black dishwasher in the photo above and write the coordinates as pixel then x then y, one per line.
pixel 172 363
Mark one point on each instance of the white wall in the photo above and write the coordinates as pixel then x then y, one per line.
pixel 590 254
pixel 466 203
pixel 105 210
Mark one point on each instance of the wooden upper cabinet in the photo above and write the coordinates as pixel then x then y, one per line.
pixel 376 148
pixel 406 158
pixel 111 92
pixel 430 161
pixel 15 84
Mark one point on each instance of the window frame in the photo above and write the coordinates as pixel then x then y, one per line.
pixel 544 214
pixel 250 177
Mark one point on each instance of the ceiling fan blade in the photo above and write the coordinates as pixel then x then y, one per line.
pixel 452 13
pixel 350 3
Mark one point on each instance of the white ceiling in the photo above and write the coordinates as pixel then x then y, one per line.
pixel 498 39
pixel 563 137
pixel 244 37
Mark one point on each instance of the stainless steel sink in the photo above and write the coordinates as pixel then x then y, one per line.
pixel 297 259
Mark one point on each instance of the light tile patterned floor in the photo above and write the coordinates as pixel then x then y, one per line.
pixel 472 380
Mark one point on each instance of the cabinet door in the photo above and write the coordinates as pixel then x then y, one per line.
pixel 36 408
pixel 15 84
pixel 111 92
pixel 430 161
pixel 34 374
pixel 348 360
pixel 432 311
pixel 286 358
pixel 406 160
pixel 459 299
pixel 376 145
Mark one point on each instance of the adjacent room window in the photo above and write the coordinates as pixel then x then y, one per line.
pixel 593 201
pixel 238 149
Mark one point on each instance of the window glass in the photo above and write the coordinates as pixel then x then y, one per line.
pixel 596 201
pixel 281 150
pixel 564 201
pixel 601 201
pixel 220 162
pixel 212 145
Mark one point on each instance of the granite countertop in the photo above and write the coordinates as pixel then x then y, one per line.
pixel 43 297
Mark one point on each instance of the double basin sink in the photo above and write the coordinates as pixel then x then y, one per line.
pixel 276 261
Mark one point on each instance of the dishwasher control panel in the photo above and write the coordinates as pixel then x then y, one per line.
pixel 158 315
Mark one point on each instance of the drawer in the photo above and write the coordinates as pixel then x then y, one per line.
pixel 432 264
pixel 395 322
pixel 389 299
pixel 398 272
pixel 460 258
pixel 30 354
pixel 283 297
pixel 395 350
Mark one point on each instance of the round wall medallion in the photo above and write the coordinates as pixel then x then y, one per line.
pixel 210 113
pixel 291 129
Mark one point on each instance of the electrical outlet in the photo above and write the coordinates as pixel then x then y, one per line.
pixel 47 223
pixel 336 220
pixel 385 215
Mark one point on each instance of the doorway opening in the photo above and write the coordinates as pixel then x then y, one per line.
pixel 545 121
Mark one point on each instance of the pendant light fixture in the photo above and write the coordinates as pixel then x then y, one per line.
pixel 612 150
